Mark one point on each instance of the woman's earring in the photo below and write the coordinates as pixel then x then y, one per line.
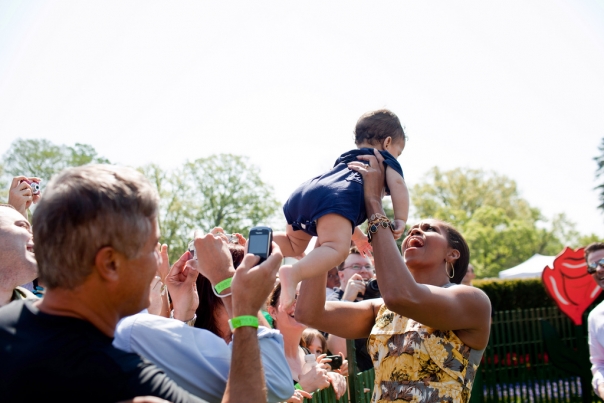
pixel 452 270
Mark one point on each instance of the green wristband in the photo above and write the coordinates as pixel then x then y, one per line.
pixel 297 386
pixel 245 320
pixel 223 285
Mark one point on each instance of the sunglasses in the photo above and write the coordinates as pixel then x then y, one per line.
pixel 592 267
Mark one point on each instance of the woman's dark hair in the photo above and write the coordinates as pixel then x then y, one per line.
pixel 456 241
pixel 374 127
pixel 273 300
pixel 592 247
pixel 208 302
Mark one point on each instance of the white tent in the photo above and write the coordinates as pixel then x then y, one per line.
pixel 531 268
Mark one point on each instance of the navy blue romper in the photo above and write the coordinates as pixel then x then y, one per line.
pixel 339 191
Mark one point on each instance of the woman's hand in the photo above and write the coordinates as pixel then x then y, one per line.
pixel 374 175
pixel 343 370
pixel 314 379
pixel 338 382
pixel 183 289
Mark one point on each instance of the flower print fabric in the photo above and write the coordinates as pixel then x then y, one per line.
pixel 415 363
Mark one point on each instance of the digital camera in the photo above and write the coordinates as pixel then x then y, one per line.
pixel 35 186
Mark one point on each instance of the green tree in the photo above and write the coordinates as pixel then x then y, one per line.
pixel 42 158
pixel 229 193
pixel 175 208
pixel 501 228
pixel 218 191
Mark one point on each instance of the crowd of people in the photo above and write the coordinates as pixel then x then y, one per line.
pixel 117 322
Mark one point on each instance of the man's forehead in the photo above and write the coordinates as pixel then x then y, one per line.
pixel 356 258
pixel 596 255
pixel 9 215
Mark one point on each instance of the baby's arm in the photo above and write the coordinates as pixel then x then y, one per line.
pixel 400 201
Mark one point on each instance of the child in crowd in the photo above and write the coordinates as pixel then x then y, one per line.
pixel 314 341
pixel 331 206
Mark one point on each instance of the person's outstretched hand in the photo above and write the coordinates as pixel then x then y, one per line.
pixel 20 195
pixel 183 289
pixel 363 245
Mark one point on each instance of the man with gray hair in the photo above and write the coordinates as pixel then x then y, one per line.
pixel 96 235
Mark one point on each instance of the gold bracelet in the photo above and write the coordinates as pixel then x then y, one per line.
pixel 375 222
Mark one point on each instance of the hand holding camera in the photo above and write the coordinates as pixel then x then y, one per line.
pixel 24 192
pixel 354 288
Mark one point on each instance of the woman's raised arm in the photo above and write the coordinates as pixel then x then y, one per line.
pixel 351 320
pixel 454 308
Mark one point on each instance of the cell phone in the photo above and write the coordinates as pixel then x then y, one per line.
pixel 336 361
pixel 260 241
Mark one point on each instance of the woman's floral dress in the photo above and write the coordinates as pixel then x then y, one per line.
pixel 415 363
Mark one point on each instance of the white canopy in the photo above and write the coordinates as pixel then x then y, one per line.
pixel 531 268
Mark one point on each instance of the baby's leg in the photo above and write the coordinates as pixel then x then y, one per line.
pixel 292 243
pixel 333 244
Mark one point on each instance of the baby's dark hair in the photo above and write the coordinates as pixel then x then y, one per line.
pixel 374 127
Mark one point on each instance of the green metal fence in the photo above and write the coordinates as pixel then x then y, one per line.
pixel 517 366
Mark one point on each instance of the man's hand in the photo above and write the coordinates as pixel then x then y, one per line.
pixel 338 382
pixel 20 195
pixel 252 284
pixel 183 289
pixel 355 285
pixel 214 259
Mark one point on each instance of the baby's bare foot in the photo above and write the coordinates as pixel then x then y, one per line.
pixel 288 287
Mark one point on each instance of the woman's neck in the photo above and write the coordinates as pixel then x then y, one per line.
pixel 430 276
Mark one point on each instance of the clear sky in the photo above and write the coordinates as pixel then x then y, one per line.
pixel 516 86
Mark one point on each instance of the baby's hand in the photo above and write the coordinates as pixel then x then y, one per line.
pixel 363 245
pixel 399 228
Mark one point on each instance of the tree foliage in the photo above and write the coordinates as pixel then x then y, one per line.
pixel 222 190
pixel 42 158
pixel 501 228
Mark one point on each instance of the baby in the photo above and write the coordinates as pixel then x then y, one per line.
pixel 332 205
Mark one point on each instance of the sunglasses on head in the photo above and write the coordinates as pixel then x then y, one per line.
pixel 592 267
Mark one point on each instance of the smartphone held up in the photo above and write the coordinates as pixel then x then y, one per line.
pixel 260 241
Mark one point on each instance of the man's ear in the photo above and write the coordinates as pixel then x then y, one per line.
pixel 272 311
pixel 106 263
